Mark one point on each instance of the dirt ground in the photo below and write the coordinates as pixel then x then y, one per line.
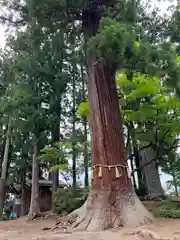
pixel 23 230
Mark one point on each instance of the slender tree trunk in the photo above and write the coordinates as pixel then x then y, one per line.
pixel 112 202
pixel 34 210
pixel 55 185
pixel 136 158
pixel 6 151
pixel 173 174
pixel 86 158
pixel 56 138
pixel 2 154
pixel 25 152
pixel 23 182
pixel 4 170
pixel 74 127
pixel 23 200
pixel 57 112
pixel 175 184
pixel 132 166
pixel 2 148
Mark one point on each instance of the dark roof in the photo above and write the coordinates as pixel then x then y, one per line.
pixel 47 183
pixel 42 183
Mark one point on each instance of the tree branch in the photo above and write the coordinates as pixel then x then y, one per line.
pixel 172 146
pixel 165 133
pixel 154 159
pixel 15 23
pixel 142 166
pixel 142 148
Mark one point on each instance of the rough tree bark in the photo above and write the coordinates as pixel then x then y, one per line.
pixel 112 202
pixel 34 210
pixel 151 173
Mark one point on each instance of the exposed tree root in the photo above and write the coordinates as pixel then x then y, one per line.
pixel 110 210
pixel 33 216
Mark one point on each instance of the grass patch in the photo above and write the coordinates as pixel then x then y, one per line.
pixel 166 208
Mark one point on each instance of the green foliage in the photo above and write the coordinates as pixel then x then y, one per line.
pixel 167 209
pixel 69 199
pixel 171 166
pixel 147 102
pixel 60 167
pixel 14 99
pixel 140 86
pixel 178 59
pixel 84 110
pixel 111 42
pixel 50 156
pixel 170 213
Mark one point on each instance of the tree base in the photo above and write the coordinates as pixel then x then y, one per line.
pixel 111 209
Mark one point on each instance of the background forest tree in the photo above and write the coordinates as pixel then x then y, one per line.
pixel 45 116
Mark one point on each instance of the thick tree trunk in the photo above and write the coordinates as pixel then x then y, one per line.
pixel 112 202
pixel 34 210
pixel 154 188
pixel 4 169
